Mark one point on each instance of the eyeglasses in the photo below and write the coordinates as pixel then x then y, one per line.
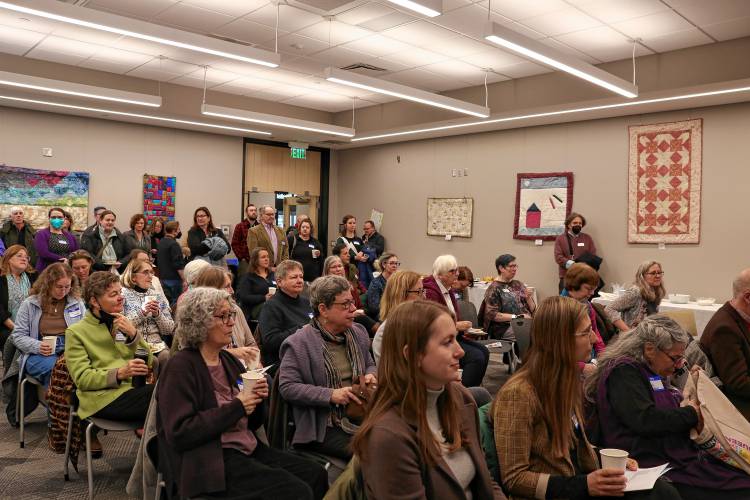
pixel 146 273
pixel 677 360
pixel 227 318
pixel 347 304
pixel 585 333
pixel 392 263
pixel 419 291
pixel 655 273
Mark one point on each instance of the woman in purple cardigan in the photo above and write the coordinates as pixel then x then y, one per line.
pixel 54 244
pixel 319 363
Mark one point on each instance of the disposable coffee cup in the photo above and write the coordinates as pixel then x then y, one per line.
pixel 316 254
pixel 272 289
pixel 613 458
pixel 249 379
pixel 148 299
pixel 51 341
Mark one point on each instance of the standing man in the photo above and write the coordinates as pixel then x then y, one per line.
pixel 726 342
pixel 239 238
pixel 97 219
pixel 267 235
pixel 373 239
pixel 571 245
pixel 17 231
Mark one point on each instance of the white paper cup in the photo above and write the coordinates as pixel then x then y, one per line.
pixel 51 341
pixel 271 289
pixel 249 379
pixel 612 458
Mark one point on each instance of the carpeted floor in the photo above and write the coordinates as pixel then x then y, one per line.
pixel 35 472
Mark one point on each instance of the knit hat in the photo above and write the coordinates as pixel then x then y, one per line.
pixel 193 269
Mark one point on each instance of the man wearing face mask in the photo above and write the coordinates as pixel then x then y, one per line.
pixel 571 245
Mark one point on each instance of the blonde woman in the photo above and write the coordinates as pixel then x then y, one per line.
pixel 400 287
pixel 640 300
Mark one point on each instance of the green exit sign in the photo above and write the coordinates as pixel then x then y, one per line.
pixel 298 153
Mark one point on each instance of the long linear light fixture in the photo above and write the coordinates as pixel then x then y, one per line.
pixel 403 92
pixel 554 58
pixel 133 115
pixel 554 113
pixel 429 8
pixel 112 23
pixel 77 89
pixel 274 120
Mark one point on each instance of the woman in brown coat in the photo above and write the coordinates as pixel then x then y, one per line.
pixel 421 437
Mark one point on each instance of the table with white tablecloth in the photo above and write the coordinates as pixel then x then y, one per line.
pixel 702 313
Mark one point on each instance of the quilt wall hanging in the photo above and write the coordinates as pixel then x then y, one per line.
pixel 450 217
pixel 36 191
pixel 158 197
pixel 543 201
pixel 664 182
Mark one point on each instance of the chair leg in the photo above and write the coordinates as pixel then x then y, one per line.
pixel 68 441
pixel 89 471
pixel 159 481
pixel 20 410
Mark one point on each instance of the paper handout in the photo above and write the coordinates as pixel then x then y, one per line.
pixel 644 479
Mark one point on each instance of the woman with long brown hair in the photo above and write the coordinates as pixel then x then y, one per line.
pixel 205 241
pixel 640 300
pixel 422 415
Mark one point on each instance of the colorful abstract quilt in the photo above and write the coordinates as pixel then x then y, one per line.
pixel 158 196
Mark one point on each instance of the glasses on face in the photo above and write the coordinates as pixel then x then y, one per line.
pixel 201 216
pixel 394 263
pixel 677 360
pixel 146 273
pixel 585 333
pixel 348 304
pixel 655 273
pixel 227 318
pixel 418 291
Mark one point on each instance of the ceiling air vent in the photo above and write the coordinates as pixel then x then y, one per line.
pixel 361 66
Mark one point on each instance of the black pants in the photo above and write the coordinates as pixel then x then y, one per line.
pixel 696 493
pixel 270 473
pixel 335 444
pixel 130 405
pixel 474 363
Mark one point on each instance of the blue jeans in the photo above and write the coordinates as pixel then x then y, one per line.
pixel 40 367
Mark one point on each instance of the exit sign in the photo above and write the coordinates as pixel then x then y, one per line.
pixel 299 153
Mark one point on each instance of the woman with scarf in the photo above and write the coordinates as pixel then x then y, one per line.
pixel 53 244
pixel 16 278
pixel 110 249
pixel 319 364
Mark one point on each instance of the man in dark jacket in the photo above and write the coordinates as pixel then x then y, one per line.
pixel 726 342
pixel 373 238
pixel 239 238
pixel 17 231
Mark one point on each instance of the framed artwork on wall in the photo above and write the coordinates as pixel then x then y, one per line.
pixel 543 201
pixel 450 217
pixel 159 197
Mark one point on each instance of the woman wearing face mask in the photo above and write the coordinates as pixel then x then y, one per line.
pixel 581 281
pixel 110 249
pixel 571 245
pixel 53 244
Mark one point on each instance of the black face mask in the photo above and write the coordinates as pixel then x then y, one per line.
pixel 576 229
pixel 178 235
pixel 106 319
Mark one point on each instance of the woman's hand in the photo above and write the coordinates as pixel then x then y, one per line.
pixel 269 295
pixel 606 483
pixel 45 349
pixel 133 368
pixel 153 308
pixel 250 400
pixel 247 354
pixel 697 407
pixel 371 379
pixel 462 326
pixel 124 325
pixel 343 395
pixel 261 388
pixel 631 464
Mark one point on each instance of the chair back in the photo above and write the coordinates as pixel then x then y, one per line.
pixel 686 319
pixel 522 330
pixel 279 427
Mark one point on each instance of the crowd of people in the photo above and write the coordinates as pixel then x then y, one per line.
pixel 374 365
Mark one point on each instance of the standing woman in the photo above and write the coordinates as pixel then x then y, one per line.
pixel 355 248
pixel 401 287
pixel 205 241
pixel 571 245
pixel 110 249
pixel 53 244
pixel 156 233
pixel 422 415
pixel 640 300
pixel 306 250
pixel 53 305
pixel 138 236
pixel 253 290
pixel 16 278
pixel 389 264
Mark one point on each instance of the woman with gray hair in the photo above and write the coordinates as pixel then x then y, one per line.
pixel 206 417
pixel 319 364
pixel 638 410
pixel 640 300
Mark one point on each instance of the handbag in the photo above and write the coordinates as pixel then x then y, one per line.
pixel 364 391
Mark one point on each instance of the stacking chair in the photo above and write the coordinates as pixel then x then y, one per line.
pixel 20 401
pixel 686 319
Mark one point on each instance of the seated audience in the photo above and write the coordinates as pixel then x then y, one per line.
pixel 467 309
pixel 100 354
pixel 401 287
pixel 156 228
pixel 110 249
pixel 581 281
pixel 54 304
pixel 53 244
pixel 81 262
pixel 537 416
pixel 319 364
pixel 206 422
pixel 334 266
pixel 139 237
pixel 305 249
pixel 437 289
pixel 205 241
pixel 341 251
pixel 284 313
pixel 725 341
pixel 638 410
pixel 146 308
pixel 142 255
pixel 253 290
pixel 362 261
pixel 16 278
pixel 243 344
pixel 640 300
pixel 505 299
pixel 420 438
pixel 170 262
pixel 573 244
pixel 388 264
pixel 17 231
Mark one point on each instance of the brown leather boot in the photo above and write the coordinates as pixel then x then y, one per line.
pixel 96 447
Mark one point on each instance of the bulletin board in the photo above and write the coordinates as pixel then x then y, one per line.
pixel 158 197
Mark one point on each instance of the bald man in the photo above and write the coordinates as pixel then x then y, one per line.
pixel 726 342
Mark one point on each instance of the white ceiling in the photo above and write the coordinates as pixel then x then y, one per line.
pixel 443 53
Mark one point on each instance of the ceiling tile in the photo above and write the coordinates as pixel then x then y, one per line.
pixel 456 69
pixel 247 31
pixel 144 9
pixel 678 40
pixel 388 21
pixel 235 8
pixel 469 20
pixel 729 30
pixel 364 13
pixel 18 42
pixel 459 46
pixel 702 12
pixel 523 69
pixel 420 33
pixel 30 23
pixel 121 57
pixel 653 25
pixel 243 86
pixel 110 66
pixel 56 56
pixel 566 49
pixel 421 79
pixel 151 73
pixel 377 45
pixel 603 43
pixel 319 104
pixel 449 5
pixel 613 11
pixel 278 92
pixel 415 57
pixel 305 65
pixel 290 18
pixel 213 78
pixel 194 18
pixel 339 57
pixel 65 46
pixel 335 32
pixel 561 21
pixel 299 45
pixel 517 10
pixel 85 35
pixel 492 58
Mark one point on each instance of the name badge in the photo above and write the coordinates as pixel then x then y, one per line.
pixel 75 312
pixel 580 244
pixel 310 315
pixel 63 242
pixel 506 290
pixel 357 243
pixel 656 384
pixel 120 337
pixel 311 246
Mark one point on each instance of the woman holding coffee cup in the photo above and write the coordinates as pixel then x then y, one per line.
pixel 52 306
pixel 206 420
pixel 257 285
pixel 319 365
pixel 541 444
pixel 306 250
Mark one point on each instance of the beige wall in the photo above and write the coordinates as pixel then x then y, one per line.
pixel 208 167
pixel 597 153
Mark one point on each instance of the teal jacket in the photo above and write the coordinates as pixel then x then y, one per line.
pixel 487 436
pixel 93 357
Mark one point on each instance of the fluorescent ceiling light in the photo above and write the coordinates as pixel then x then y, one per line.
pixel 133 115
pixel 275 120
pixel 403 92
pixel 112 23
pixel 429 8
pixel 549 56
pixel 554 113
pixel 77 89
